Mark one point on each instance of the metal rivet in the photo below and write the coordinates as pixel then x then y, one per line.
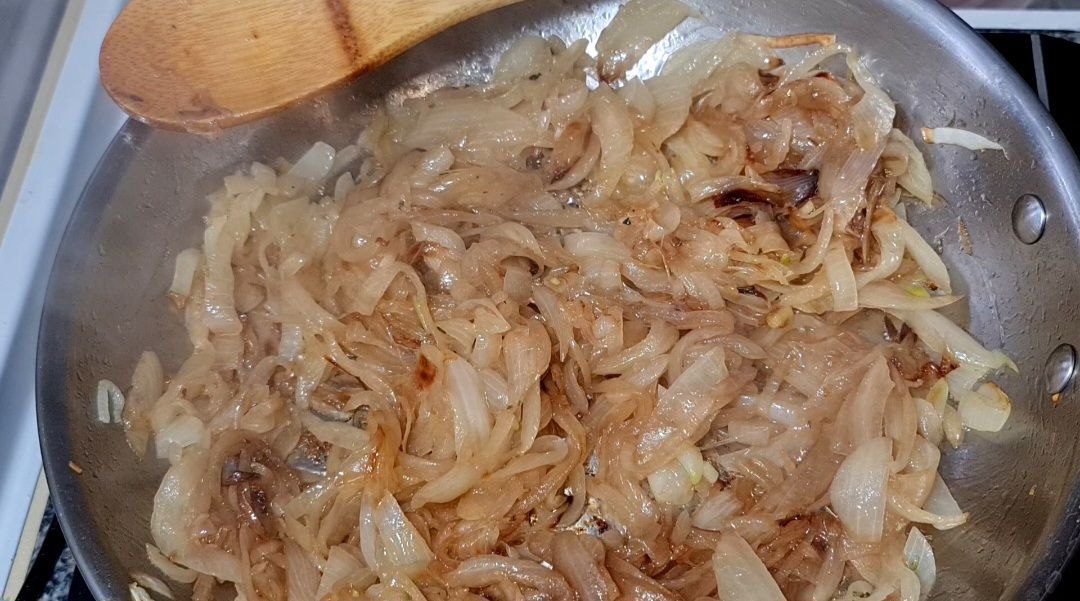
pixel 1060 368
pixel 1029 218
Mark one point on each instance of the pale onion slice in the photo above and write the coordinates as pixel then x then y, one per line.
pixel 168 567
pixel 292 342
pixel 701 59
pixel 549 307
pixel 530 56
pixel 187 264
pixel 938 395
pixel 916 180
pixel 138 593
pixel 526 353
pixel 709 473
pixel 639 99
pixel 372 289
pixel 443 236
pixel 740 574
pixel 109 402
pixel 929 421
pixel 496 392
pixel 841 279
pixel 671 484
pixel 614 128
pixel 907 510
pixel 519 235
pixel 343 158
pixel 636 27
pixel 985 409
pixel 942 502
pixel 691 402
pixel 337 433
pixel 887 295
pixel 910 586
pixel 573 560
pixel 403 547
pixel 472 420
pixel 147 385
pixel 301 575
pixel 857 492
pixel 874 113
pixel 927 259
pixel 479 123
pixel 182 496
pixel 180 433
pixel 672 95
pixel 863 413
pixel 487 570
pixel 919 558
pixel 213 561
pixel 890 238
pixel 659 340
pixel 340 566
pixel 343 185
pixel 959 137
pixel 152 583
pixel 694 464
pixel 942 335
pixel 595 245
pixel 953 426
pixel 963 379
pixel 315 163
pixel 715 512
pixel 843 183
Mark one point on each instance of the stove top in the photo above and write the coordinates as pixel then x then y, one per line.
pixel 1043 46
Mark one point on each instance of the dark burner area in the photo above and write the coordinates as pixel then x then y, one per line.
pixel 1046 60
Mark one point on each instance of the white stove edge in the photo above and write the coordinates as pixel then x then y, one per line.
pixel 1022 20
pixel 69 128
pixel 71 125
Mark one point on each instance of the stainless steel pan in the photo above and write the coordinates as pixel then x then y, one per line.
pixel 106 294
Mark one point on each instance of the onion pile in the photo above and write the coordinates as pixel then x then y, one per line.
pixel 573 334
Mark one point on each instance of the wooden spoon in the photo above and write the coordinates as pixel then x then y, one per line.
pixel 203 65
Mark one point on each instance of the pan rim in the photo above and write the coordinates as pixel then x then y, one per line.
pixel 1059 545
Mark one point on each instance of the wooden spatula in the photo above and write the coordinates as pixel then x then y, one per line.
pixel 203 65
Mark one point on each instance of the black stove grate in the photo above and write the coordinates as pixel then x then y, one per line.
pixel 1046 60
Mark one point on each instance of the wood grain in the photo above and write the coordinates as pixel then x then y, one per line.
pixel 203 65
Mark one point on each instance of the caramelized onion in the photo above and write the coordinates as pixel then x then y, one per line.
pixel 653 338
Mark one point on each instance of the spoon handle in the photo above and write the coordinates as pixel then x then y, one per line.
pixel 204 65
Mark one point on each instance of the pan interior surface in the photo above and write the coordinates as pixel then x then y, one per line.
pixel 106 300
